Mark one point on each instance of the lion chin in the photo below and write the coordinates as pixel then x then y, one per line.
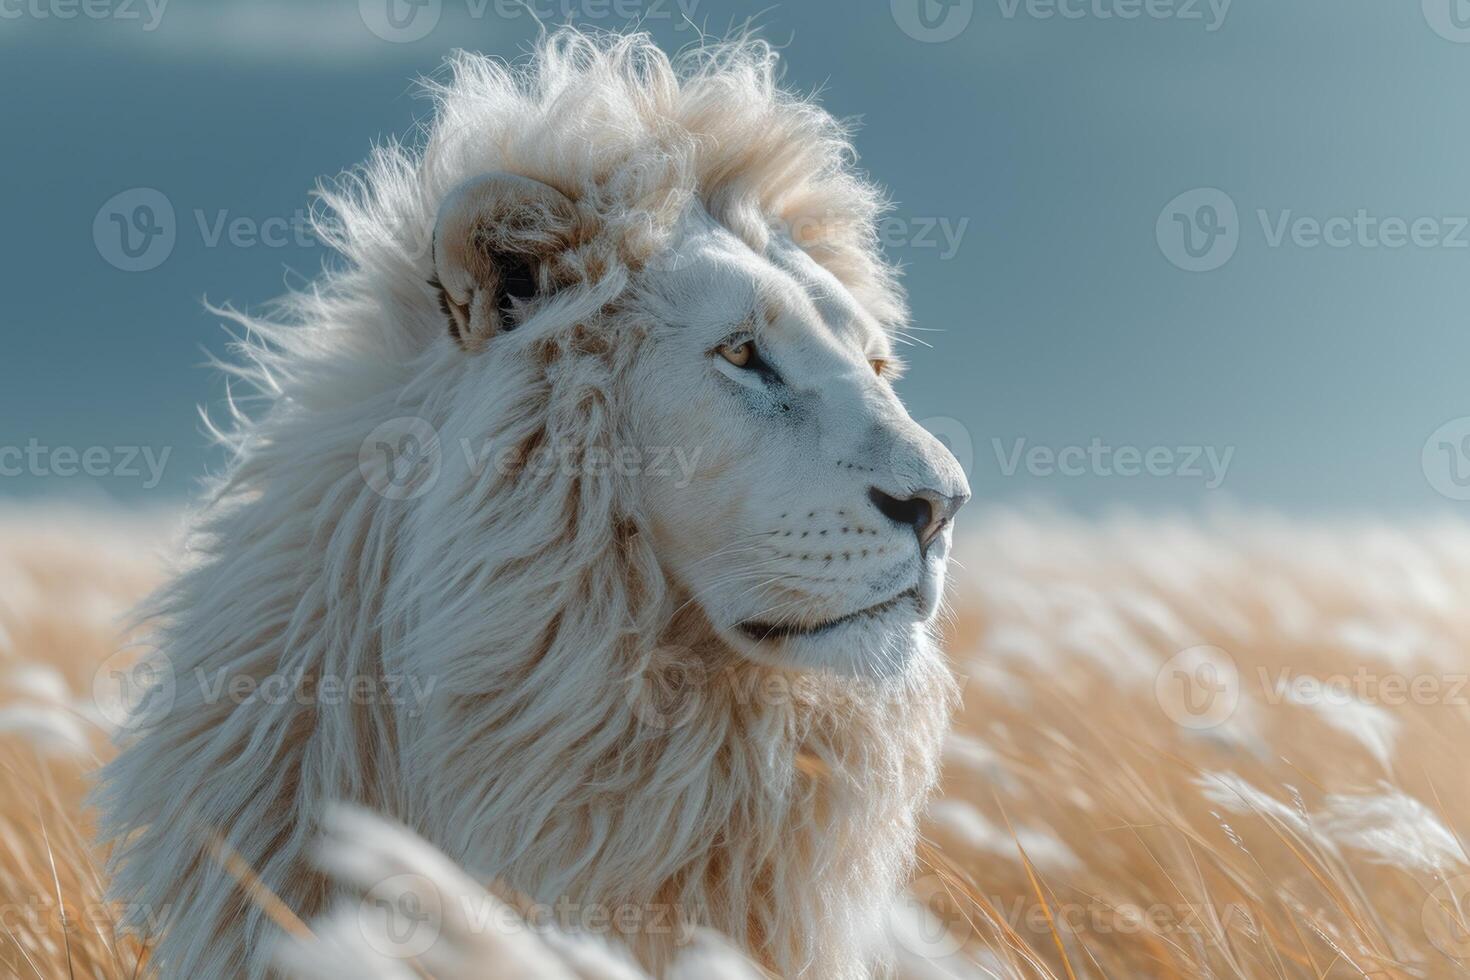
pixel 876 641
pixel 581 533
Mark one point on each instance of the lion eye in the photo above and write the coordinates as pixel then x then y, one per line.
pixel 879 365
pixel 739 355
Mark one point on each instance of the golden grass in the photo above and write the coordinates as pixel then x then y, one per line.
pixel 1093 822
pixel 66 580
pixel 1147 858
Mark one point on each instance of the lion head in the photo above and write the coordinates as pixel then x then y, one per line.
pixel 602 393
pixel 780 482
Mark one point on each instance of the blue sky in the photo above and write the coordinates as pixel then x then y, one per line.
pixel 1174 253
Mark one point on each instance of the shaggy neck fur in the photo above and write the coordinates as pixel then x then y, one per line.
pixel 546 707
pixel 578 745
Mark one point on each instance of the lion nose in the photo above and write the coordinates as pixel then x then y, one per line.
pixel 928 512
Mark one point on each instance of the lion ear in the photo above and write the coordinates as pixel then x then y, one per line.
pixel 492 241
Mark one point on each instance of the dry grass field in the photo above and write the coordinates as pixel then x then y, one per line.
pixel 1226 747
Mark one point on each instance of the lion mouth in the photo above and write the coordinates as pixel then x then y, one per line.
pixel 761 632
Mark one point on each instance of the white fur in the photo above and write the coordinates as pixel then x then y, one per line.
pixel 400 895
pixel 575 712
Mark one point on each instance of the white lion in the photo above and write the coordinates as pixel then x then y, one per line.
pixel 581 532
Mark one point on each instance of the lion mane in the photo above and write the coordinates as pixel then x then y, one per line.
pixel 578 733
